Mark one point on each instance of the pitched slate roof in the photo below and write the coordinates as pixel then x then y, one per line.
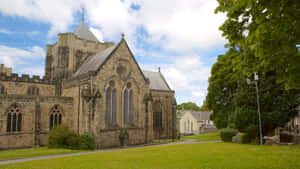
pixel 83 32
pixel 93 62
pixel 201 115
pixel 157 81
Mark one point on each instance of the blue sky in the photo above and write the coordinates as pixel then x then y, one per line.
pixel 180 37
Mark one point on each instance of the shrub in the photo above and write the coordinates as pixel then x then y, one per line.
pixel 57 137
pixel 246 138
pixel 73 141
pixel 86 142
pixel 227 134
pixel 63 137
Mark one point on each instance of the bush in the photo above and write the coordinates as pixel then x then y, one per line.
pixel 246 138
pixel 73 141
pixel 86 142
pixel 227 134
pixel 58 137
pixel 63 137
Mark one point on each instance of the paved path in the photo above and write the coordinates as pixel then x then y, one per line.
pixel 20 160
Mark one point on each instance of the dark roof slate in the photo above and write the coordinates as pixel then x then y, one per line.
pixel 157 81
pixel 83 32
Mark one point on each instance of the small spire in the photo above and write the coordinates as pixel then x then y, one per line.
pixel 82 17
pixel 122 35
pixel 158 69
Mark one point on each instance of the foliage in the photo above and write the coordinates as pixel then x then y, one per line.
pixel 86 142
pixel 206 155
pixel 188 106
pixel 269 31
pixel 245 138
pixel 261 39
pixel 58 137
pixel 226 134
pixel 204 107
pixel 63 137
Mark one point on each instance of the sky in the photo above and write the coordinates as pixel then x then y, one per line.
pixel 181 37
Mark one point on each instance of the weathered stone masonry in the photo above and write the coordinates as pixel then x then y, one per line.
pixel 92 87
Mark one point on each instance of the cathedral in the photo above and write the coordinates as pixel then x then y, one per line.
pixel 91 87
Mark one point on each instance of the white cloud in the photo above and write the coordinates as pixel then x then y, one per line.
pixel 20 59
pixel 97 33
pixel 185 73
pixel 175 24
pixel 55 12
pixel 5 31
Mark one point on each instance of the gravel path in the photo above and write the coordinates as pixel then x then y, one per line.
pixel 20 160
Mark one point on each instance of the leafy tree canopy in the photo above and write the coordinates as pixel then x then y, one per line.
pixel 262 37
pixel 188 106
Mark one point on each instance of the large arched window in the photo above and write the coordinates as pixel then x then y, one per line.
pixel 33 91
pixel 128 105
pixel 125 106
pixel 111 104
pixel 55 117
pixel 2 89
pixel 14 119
pixel 157 116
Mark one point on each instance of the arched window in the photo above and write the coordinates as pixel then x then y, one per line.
pixel 111 104
pixel 108 105
pixel 157 116
pixel 2 89
pixel 14 119
pixel 8 124
pixel 114 106
pixel 125 106
pixel 131 106
pixel 33 91
pixel 55 117
pixel 128 105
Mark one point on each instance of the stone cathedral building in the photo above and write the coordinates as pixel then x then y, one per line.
pixel 91 87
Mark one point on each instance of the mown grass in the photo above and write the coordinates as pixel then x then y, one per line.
pixel 31 152
pixel 166 140
pixel 205 137
pixel 203 155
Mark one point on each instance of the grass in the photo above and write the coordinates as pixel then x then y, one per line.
pixel 203 155
pixel 166 140
pixel 31 152
pixel 205 137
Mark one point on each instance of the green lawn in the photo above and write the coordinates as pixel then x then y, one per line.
pixel 205 137
pixel 166 140
pixel 203 155
pixel 30 152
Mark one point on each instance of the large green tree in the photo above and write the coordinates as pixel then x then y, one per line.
pixel 188 106
pixel 262 37
pixel 269 30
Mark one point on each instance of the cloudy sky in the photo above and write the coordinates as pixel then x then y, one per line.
pixel 179 36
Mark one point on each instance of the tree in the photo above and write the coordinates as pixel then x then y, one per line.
pixel 269 30
pixel 188 106
pixel 204 107
pixel 262 37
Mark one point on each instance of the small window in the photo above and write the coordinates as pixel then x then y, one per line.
pixel 14 119
pixel 55 117
pixel 33 91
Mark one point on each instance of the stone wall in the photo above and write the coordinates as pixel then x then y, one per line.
pixel 35 119
pixel 21 88
pixel 64 57
pixel 166 99
pixel 5 70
